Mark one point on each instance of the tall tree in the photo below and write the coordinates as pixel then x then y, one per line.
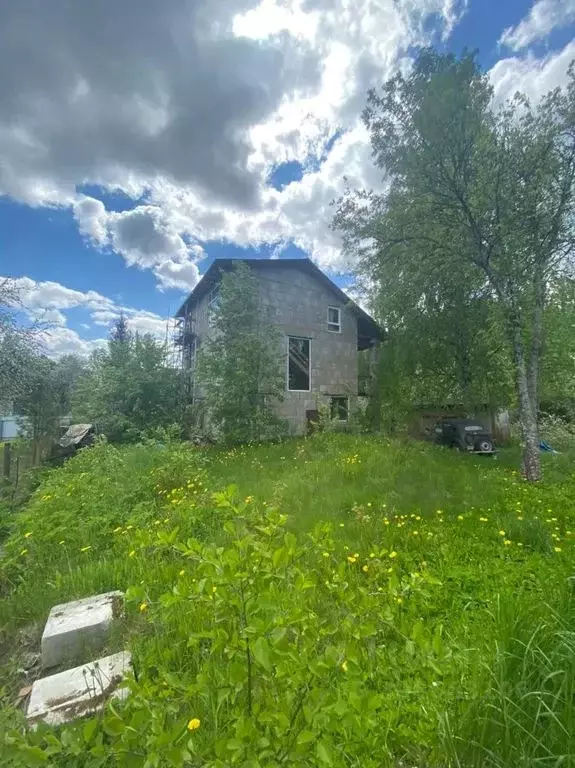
pixel 240 370
pixel 476 188
pixel 128 389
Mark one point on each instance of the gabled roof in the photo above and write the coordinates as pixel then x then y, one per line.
pixel 367 328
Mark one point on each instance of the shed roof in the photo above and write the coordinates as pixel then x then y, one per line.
pixel 367 328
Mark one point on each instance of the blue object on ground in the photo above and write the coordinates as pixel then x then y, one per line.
pixel 546 447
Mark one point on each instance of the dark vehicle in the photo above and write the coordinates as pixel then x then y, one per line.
pixel 465 434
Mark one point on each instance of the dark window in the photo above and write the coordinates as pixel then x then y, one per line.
pixel 334 319
pixel 339 406
pixel 299 351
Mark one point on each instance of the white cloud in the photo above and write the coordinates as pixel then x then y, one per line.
pixel 543 18
pixel 189 106
pixel 531 75
pixel 47 303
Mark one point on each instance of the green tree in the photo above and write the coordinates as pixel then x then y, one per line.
pixel 240 368
pixel 476 189
pixel 128 388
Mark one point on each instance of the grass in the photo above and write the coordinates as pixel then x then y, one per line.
pixel 340 600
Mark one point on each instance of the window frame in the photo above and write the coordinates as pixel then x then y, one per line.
pixel 331 408
pixel 300 338
pixel 335 327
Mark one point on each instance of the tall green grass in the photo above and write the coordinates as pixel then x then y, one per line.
pixel 443 576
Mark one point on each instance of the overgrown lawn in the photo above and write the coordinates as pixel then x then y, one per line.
pixel 340 600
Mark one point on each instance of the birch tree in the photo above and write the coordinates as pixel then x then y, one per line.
pixel 475 188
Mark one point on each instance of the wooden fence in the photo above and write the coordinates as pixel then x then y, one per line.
pixel 20 455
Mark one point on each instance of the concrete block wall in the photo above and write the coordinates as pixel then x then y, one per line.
pixel 297 304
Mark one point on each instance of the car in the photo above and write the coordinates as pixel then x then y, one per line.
pixel 466 435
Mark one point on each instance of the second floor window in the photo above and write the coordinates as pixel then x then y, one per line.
pixel 299 364
pixel 334 319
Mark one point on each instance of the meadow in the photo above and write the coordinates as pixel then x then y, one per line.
pixel 339 600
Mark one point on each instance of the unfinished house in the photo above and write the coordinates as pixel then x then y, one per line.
pixel 323 331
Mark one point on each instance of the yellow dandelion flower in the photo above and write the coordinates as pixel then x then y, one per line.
pixel 460 517
pixel 365 568
pixel 132 553
pixel 520 517
pixel 143 607
pixel 372 555
pixel 393 554
pixel 399 600
pixel 351 559
pixel 557 549
pixel 182 572
pixel 507 543
pixel 519 543
pixel 418 517
pixel 439 512
pixel 356 554
pixel 502 533
pixel 344 666
pixel 214 589
pixel 85 549
pixel 483 519
pixel 27 535
pixel 325 554
pixel 341 525
pixel 194 724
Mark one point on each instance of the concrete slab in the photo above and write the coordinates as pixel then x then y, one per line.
pixel 77 692
pixel 78 628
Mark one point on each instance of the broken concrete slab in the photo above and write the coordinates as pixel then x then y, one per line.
pixel 76 628
pixel 78 692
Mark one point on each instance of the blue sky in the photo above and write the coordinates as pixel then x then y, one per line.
pixel 125 169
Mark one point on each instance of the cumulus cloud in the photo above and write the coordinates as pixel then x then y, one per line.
pixel 188 105
pixel 542 19
pixel 47 302
pixel 531 75
pixel 145 237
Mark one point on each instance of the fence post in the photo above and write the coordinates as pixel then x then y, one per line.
pixel 6 461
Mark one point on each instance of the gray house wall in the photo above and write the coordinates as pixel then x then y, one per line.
pixel 297 304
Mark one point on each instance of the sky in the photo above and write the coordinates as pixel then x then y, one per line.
pixel 139 141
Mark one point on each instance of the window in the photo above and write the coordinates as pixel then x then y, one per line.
pixel 213 303
pixel 334 319
pixel 339 408
pixel 299 359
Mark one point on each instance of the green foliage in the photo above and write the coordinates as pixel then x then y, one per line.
pixel 475 226
pixel 240 369
pixel 338 600
pixel 128 388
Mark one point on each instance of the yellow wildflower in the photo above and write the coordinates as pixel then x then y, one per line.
pixel 356 554
pixel 372 555
pixel 507 543
pixel 351 559
pixel 132 553
pixel 194 724
pixel 182 572
pixel 460 517
pixel 365 568
pixel 557 549
pixel 143 607
pixel 325 554
pixel 344 666
pixel 27 535
pixel 393 554
pixel 502 533
pixel 399 600
pixel 483 519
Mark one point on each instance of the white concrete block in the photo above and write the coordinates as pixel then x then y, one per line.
pixel 74 628
pixel 78 692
